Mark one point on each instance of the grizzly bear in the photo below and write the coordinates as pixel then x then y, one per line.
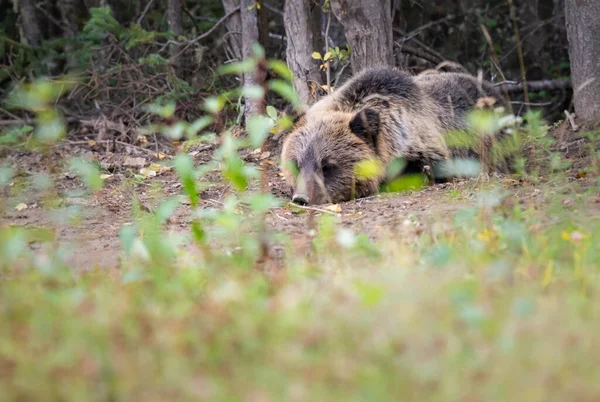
pixel 379 115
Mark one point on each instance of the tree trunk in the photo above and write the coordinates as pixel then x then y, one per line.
pixel 300 46
pixel 368 28
pixel 31 25
pixel 234 28
pixel 250 36
pixel 583 25
pixel 174 17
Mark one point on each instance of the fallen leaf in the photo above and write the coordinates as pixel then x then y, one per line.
pixel 106 176
pixel 148 172
pixel 91 143
pixel 21 206
pixel 334 208
pixel 134 162
pixel 160 155
pixel 265 155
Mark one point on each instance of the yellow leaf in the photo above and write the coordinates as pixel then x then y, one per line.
pixel 160 155
pixel 21 206
pixel 316 56
pixel 565 236
pixel 334 208
pixel 327 56
pixel 369 169
pixel 148 172
pixel 91 143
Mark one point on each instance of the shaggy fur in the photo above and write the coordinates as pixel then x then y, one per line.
pixel 379 114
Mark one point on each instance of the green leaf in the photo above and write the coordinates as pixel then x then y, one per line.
pixel 327 56
pixel 127 235
pixel 88 172
pixel 272 112
pixel 239 67
pixel 165 111
pixel 286 91
pixel 263 202
pixel 253 91
pixel 281 69
pixel 369 169
pixel 199 125
pixel 184 166
pixel 370 294
pixel 258 129
pixel 317 56
pixel 214 104
pixel 258 50
pixel 167 207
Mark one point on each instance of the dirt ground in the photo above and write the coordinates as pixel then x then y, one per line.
pixel 94 238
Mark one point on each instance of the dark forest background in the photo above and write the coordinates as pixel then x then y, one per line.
pixel 129 53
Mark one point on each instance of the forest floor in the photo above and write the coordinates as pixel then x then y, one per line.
pixel 93 238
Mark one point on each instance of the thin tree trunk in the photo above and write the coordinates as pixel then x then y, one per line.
pixel 250 36
pixel 368 28
pixel 583 25
pixel 300 34
pixel 174 17
pixel 234 28
pixel 31 24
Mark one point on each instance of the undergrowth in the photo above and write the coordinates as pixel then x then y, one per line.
pixel 501 304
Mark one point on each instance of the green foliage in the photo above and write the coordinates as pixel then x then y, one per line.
pixel 462 310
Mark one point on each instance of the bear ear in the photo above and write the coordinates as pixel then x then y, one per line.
pixel 365 125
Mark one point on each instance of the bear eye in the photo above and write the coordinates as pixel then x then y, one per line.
pixel 329 169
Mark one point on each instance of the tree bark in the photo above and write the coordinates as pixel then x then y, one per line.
pixel 300 34
pixel 368 28
pixel 234 28
pixel 174 17
pixel 31 24
pixel 250 36
pixel 583 25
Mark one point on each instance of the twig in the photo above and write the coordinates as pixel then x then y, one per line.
pixel 494 57
pixel 313 209
pixel 139 20
pixel 211 30
pixel 419 53
pixel 327 50
pixel 519 50
pixel 532 103
pixel 571 118
pixel 107 142
pixel 535 86
pixel 417 31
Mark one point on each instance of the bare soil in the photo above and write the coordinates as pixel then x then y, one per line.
pixel 93 238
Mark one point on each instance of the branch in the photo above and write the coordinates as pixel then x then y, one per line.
pixel 419 53
pixel 535 86
pixel 211 30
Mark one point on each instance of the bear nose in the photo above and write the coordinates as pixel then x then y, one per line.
pixel 300 199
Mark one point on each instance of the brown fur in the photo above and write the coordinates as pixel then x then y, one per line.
pixel 379 114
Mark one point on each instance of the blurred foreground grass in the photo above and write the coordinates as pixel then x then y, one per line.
pixel 502 305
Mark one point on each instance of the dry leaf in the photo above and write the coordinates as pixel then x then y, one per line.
pixel 106 176
pixel 334 208
pixel 21 206
pixel 148 172
pixel 160 155
pixel 91 143
pixel 134 162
